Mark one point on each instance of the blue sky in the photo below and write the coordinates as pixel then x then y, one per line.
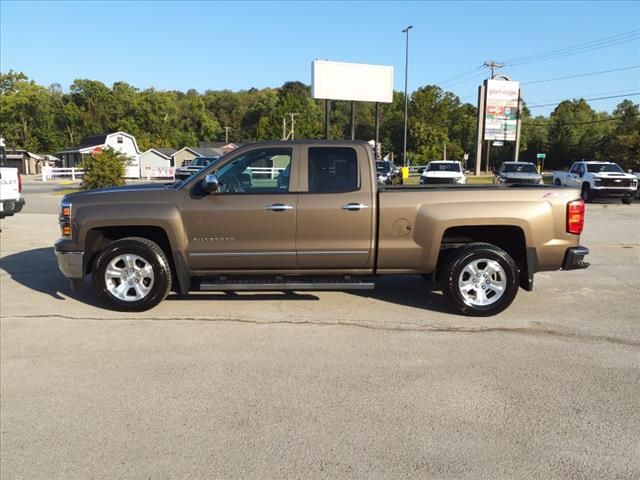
pixel 238 45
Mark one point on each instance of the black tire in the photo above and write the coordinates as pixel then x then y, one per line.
pixel 151 253
pixel 454 271
pixel 557 182
pixel 627 201
pixel 586 194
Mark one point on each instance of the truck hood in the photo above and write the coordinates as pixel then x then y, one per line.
pixel 442 174
pixel 520 175
pixel 613 175
pixel 116 192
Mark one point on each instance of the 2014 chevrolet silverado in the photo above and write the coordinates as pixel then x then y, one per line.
pixel 327 224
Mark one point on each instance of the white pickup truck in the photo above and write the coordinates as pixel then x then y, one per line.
pixel 597 180
pixel 10 186
pixel 443 171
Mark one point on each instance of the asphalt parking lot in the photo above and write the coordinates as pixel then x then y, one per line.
pixel 384 384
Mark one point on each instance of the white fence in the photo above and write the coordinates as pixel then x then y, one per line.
pixel 266 172
pixel 49 173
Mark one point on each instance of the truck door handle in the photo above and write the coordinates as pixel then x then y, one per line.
pixel 354 206
pixel 278 207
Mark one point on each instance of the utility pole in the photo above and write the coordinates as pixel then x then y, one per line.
pixel 406 99
pixel 293 125
pixel 226 134
pixel 493 65
pixel 285 135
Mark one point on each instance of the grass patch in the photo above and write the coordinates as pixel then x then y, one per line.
pixel 62 193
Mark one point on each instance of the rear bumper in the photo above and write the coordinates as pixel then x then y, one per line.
pixel 71 264
pixel 9 207
pixel 574 258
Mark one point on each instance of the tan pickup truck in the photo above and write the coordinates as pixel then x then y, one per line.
pixel 310 215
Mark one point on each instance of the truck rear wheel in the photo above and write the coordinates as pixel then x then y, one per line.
pixel 480 280
pixel 132 274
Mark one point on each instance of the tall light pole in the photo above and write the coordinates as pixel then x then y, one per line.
pixel 406 99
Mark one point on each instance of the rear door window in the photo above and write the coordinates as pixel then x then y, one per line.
pixel 333 170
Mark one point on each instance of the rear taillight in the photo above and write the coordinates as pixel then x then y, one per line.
pixel 19 183
pixel 575 217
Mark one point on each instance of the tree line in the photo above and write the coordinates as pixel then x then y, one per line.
pixel 48 120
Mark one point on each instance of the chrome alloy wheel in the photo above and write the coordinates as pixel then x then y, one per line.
pixel 482 282
pixel 129 277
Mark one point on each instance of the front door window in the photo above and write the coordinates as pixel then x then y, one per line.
pixel 258 171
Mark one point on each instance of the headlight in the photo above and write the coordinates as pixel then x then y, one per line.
pixel 500 179
pixel 459 180
pixel 598 181
pixel 65 219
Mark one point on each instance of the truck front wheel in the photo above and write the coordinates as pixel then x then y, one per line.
pixel 132 274
pixel 587 195
pixel 480 280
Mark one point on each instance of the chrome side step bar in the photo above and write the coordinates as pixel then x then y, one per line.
pixel 277 285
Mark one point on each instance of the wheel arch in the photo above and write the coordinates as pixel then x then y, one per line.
pixel 99 237
pixel 510 238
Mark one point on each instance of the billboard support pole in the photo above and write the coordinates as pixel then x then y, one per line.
pixel 480 128
pixel 516 150
pixel 377 128
pixel 327 111
pixel 353 120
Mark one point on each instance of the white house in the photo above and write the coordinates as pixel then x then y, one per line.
pixel 119 141
pixel 153 161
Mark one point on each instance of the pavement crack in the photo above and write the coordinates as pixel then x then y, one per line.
pixel 401 327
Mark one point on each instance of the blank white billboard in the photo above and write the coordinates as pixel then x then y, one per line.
pixel 351 81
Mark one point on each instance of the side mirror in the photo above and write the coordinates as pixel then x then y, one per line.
pixel 211 184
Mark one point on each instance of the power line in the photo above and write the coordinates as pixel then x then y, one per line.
pixel 575 49
pixel 580 123
pixel 551 55
pixel 587 99
pixel 581 75
pixel 463 74
pixel 584 95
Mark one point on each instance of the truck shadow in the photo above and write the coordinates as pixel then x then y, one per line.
pixel 37 269
pixel 409 291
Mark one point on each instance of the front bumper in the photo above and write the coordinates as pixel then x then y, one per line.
pixel 613 192
pixel 574 258
pixel 71 264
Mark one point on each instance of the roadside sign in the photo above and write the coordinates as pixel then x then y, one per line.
pixel 541 156
pixel 498 143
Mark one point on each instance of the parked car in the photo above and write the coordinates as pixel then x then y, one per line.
pixel 385 171
pixel 597 180
pixel 517 172
pixel 194 166
pixel 10 186
pixel 333 228
pixel 443 171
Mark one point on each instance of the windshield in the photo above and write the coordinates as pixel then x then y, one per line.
pixel 519 168
pixel 603 167
pixel 443 167
pixel 383 167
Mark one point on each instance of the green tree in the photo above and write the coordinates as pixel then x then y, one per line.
pixel 104 169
